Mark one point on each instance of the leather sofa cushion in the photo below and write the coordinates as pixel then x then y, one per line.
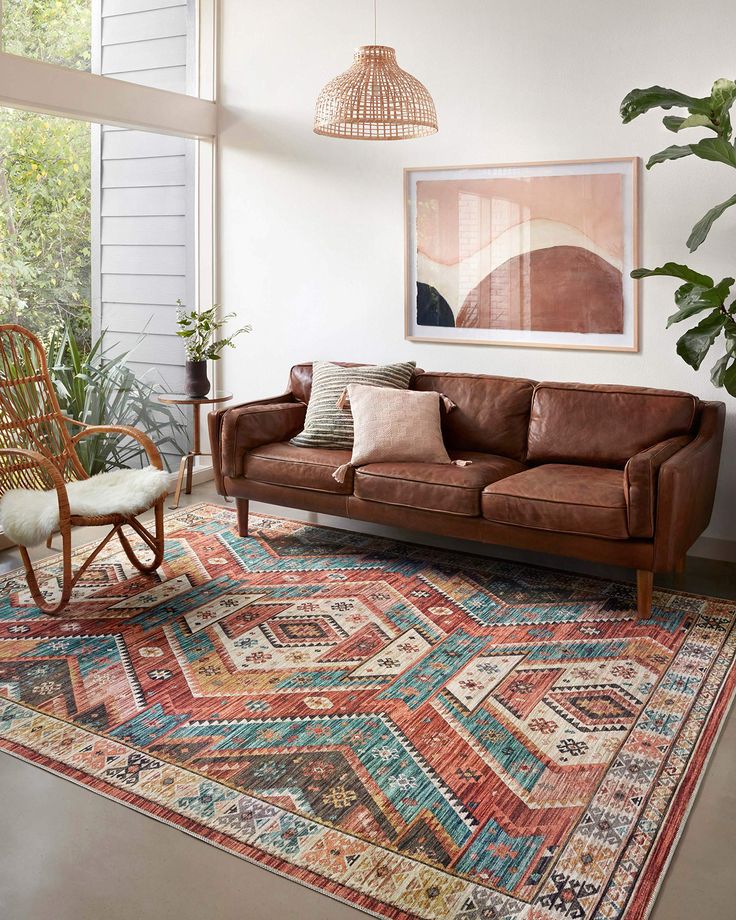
pixel 601 424
pixel 284 464
pixel 561 498
pixel 491 414
pixel 434 486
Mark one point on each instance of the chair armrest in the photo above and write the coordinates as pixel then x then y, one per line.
pixel 287 397
pixel 34 459
pixel 686 489
pixel 154 457
pixel 640 484
pixel 234 431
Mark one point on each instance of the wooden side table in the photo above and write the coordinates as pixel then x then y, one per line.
pixel 187 461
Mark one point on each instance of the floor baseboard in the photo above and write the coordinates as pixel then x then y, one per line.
pixel 714 548
pixel 709 548
pixel 199 475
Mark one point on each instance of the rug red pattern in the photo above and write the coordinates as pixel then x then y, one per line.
pixel 417 732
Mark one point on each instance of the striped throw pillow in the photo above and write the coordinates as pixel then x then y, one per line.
pixel 327 426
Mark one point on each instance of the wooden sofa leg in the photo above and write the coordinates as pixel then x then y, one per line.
pixel 242 506
pixel 644 585
pixel 680 565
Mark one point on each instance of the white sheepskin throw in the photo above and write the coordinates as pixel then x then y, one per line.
pixel 29 517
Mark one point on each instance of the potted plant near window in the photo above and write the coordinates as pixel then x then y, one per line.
pixel 698 295
pixel 199 329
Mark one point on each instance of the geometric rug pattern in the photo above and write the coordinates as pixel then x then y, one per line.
pixel 420 733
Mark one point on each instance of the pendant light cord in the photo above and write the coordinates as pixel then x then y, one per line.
pixel 375 21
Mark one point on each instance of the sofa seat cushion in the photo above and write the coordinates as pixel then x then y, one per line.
pixel 563 498
pixel 434 486
pixel 285 464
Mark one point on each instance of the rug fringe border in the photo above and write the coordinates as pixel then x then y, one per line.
pixel 192 833
pixel 722 719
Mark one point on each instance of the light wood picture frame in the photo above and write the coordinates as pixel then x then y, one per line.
pixel 523 254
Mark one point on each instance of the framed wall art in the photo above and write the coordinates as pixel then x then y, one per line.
pixel 535 254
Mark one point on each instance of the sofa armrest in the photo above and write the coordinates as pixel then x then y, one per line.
pixel 686 489
pixel 640 484
pixel 238 429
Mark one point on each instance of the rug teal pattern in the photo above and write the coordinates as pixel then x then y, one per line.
pixel 417 732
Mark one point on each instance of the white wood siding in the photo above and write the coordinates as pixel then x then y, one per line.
pixel 145 202
pixel 140 144
pixel 143 26
pixel 133 231
pixel 143 194
pixel 118 7
pixel 160 52
pixel 169 78
pixel 149 260
pixel 143 172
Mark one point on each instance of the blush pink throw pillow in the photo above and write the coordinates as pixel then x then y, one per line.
pixel 394 425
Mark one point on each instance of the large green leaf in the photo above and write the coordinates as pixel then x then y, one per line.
pixel 729 379
pixel 694 345
pixel 683 313
pixel 729 330
pixel 674 270
pixel 701 230
pixel 639 101
pixel 695 298
pixel 723 92
pixel 723 95
pixel 719 369
pixel 675 152
pixel 673 122
pixel 679 122
pixel 717 149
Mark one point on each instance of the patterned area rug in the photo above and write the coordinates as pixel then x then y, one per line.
pixel 420 733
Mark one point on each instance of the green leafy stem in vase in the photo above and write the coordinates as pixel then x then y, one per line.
pixel 199 328
pixel 699 293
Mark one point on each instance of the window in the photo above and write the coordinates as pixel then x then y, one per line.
pixel 106 171
pixel 149 42
pixel 45 223
pixel 49 30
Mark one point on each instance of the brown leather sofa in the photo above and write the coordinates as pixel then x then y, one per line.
pixel 613 474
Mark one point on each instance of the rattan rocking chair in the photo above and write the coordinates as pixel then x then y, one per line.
pixel 38 452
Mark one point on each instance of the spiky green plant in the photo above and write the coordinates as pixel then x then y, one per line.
pixel 98 388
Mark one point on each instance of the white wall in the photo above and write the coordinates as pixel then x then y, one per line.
pixel 311 229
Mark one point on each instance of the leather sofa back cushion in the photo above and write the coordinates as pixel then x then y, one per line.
pixel 491 414
pixel 603 425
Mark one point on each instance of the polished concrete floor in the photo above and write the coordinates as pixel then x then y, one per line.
pixel 68 854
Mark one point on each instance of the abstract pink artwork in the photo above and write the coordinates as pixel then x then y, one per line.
pixel 523 255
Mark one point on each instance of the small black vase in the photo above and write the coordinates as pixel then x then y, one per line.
pixel 197 382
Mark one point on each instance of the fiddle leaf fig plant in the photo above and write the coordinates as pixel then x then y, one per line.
pixel 699 295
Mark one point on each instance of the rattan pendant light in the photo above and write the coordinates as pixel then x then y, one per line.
pixel 375 100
